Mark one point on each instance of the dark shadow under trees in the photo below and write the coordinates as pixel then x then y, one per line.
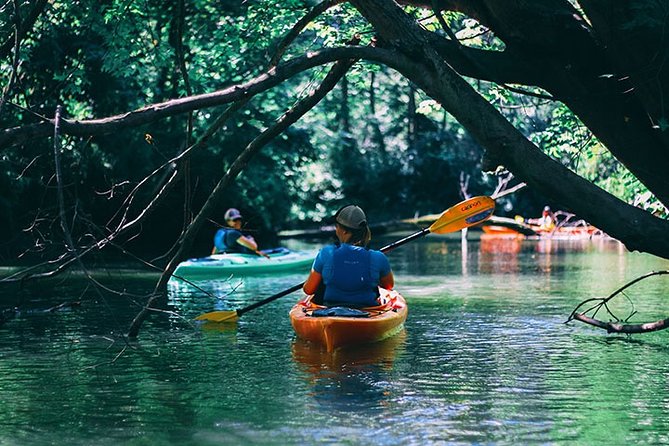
pixel 435 62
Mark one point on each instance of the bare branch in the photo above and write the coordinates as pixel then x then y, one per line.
pixel 510 190
pixel 464 185
pixel 614 327
pixel 15 59
pixel 502 188
pixel 123 226
pixel 618 326
pixel 290 117
pixel 155 112
pixel 59 180
pixel 299 26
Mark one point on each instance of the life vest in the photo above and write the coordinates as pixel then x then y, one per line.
pixel 223 243
pixel 350 280
pixel 546 223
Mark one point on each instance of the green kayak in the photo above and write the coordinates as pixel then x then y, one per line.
pixel 280 260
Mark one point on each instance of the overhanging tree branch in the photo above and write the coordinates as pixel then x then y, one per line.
pixel 186 240
pixel 155 112
pixel 638 229
pixel 299 26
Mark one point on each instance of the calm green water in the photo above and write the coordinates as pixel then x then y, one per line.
pixel 485 358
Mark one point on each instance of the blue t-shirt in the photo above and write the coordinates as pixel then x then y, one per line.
pixel 351 274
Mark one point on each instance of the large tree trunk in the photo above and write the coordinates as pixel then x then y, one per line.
pixel 636 228
pixel 548 44
pixel 609 68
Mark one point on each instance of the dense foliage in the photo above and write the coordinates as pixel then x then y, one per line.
pixel 376 140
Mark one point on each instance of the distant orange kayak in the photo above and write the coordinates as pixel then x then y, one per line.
pixel 334 332
pixel 562 231
pixel 499 230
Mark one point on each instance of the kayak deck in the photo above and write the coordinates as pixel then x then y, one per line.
pixel 280 260
pixel 333 332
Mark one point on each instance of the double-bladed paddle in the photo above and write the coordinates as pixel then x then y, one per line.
pixel 463 215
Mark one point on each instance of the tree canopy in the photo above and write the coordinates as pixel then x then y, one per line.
pixel 173 111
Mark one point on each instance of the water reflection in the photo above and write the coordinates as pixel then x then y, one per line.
pixel 225 293
pixel 499 254
pixel 485 359
pixel 179 290
pixel 217 327
pixel 492 244
pixel 349 379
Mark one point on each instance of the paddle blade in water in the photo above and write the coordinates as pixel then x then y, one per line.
pixel 464 214
pixel 217 327
pixel 218 316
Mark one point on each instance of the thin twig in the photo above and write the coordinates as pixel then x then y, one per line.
pixel 298 27
pixel 15 59
pixel 617 327
pixel 286 120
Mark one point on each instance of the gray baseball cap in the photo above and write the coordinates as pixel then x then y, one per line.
pixel 351 216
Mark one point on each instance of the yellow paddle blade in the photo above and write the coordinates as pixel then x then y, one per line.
pixel 218 316
pixel 218 327
pixel 464 214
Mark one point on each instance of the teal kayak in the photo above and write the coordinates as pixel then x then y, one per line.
pixel 280 260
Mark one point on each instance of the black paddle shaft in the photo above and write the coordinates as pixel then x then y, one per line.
pixel 294 288
pixel 270 299
pixel 407 239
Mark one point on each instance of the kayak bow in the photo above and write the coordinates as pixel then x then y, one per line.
pixel 279 260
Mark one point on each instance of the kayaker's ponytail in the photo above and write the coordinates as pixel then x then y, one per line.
pixel 360 237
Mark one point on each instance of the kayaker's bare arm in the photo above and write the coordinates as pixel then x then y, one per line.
pixel 248 243
pixel 387 281
pixel 312 283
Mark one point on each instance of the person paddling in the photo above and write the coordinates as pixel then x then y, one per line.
pixel 348 270
pixel 231 239
pixel 546 222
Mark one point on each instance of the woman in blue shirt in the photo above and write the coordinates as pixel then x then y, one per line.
pixel 350 272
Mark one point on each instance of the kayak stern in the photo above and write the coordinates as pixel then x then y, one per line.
pixel 334 332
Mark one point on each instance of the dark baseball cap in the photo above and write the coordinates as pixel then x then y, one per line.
pixel 232 214
pixel 351 216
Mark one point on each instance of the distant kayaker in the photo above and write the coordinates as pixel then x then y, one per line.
pixel 546 222
pixel 348 270
pixel 231 239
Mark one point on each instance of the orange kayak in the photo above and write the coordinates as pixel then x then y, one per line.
pixel 499 230
pixel 332 332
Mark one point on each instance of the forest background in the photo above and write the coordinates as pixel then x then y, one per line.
pixel 377 139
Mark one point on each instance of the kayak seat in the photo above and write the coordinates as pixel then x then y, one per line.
pixel 339 312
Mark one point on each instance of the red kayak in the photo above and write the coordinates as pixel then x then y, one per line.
pixel 349 327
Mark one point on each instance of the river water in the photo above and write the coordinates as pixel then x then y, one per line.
pixel 485 358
